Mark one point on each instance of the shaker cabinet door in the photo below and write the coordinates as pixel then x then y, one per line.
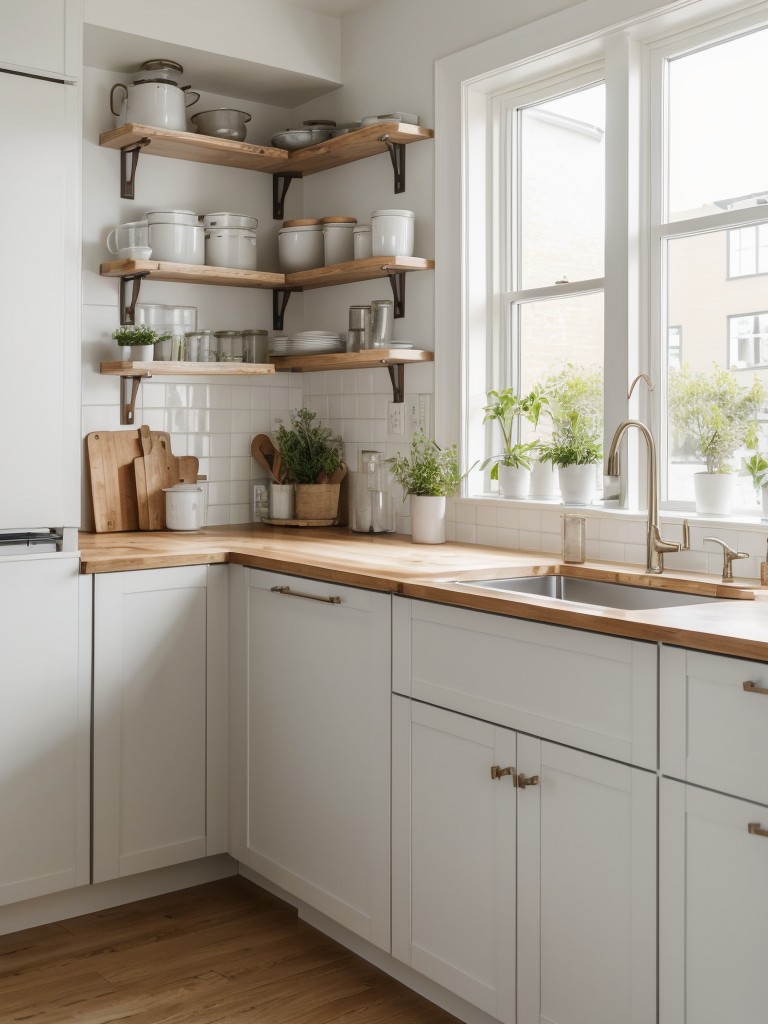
pixel 155 693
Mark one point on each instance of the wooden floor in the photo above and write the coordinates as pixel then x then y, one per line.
pixel 218 953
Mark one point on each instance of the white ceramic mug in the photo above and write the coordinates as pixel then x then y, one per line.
pixel 127 236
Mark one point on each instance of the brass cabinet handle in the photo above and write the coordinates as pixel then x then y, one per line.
pixel 521 781
pixel 754 829
pixel 498 772
pixel 308 597
pixel 750 687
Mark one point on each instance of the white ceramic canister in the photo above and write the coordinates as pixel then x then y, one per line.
pixel 338 239
pixel 176 236
pixel 300 246
pixel 230 247
pixel 361 242
pixel 392 233
pixel 184 507
pixel 230 220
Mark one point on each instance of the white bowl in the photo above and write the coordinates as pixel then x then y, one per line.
pixel 134 252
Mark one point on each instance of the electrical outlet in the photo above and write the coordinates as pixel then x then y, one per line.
pixel 418 409
pixel 396 419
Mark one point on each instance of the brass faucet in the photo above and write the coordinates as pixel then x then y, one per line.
pixel 729 557
pixel 656 546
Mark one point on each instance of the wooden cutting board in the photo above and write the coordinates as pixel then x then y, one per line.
pixel 155 468
pixel 111 454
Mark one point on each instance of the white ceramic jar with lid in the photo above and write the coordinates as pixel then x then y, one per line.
pixel 338 239
pixel 392 232
pixel 300 246
pixel 230 220
pixel 361 242
pixel 231 247
pixel 184 507
pixel 154 98
pixel 176 236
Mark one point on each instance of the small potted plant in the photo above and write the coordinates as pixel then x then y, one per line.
pixel 137 342
pixel 717 415
pixel 512 466
pixel 757 467
pixel 429 474
pixel 575 447
pixel 311 459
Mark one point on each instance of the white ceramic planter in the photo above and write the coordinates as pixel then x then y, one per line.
pixel 544 482
pixel 137 353
pixel 577 484
pixel 714 493
pixel 514 481
pixel 427 519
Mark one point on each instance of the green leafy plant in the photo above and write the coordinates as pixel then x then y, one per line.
pixel 715 413
pixel 576 409
pixel 505 408
pixel 137 335
pixel 428 470
pixel 307 449
pixel 757 467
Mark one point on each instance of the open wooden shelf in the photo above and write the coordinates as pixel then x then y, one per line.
pixel 356 270
pixel 188 273
pixel 357 145
pixel 369 359
pixel 179 369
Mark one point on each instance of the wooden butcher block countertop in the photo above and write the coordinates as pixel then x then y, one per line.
pixel 391 562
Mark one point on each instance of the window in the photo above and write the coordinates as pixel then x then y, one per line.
pixel 748 250
pixel 748 341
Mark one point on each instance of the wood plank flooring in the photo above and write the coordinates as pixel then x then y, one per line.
pixel 221 953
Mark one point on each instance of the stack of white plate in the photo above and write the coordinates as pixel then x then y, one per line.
pixel 307 343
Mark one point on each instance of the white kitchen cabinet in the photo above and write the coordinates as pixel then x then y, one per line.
pixel 40 381
pixel 597 693
pixel 44 726
pixel 34 36
pixel 551 886
pixel 713 906
pixel 159 730
pixel 317 712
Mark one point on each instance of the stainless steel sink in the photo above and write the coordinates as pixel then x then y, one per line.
pixel 573 589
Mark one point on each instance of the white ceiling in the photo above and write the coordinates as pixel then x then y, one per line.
pixel 333 8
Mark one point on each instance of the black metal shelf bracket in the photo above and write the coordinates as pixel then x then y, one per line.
pixel 128 307
pixel 280 185
pixel 128 174
pixel 129 390
pixel 397 376
pixel 397 281
pixel 280 297
pixel 397 156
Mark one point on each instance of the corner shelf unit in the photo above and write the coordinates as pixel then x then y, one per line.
pixel 284 166
pixel 133 272
pixel 132 373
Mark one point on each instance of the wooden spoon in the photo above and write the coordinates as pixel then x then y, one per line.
pixel 264 451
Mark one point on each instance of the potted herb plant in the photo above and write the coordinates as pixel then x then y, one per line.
pixel 575 447
pixel 311 459
pixel 512 466
pixel 716 415
pixel 757 467
pixel 137 342
pixel 429 474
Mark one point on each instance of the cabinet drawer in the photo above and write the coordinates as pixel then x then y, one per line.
pixel 713 728
pixel 597 693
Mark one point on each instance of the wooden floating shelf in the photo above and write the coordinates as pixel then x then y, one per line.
pixel 188 273
pixel 357 270
pixel 369 359
pixel 178 369
pixel 356 145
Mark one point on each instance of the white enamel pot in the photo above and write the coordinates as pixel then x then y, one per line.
pixel 161 104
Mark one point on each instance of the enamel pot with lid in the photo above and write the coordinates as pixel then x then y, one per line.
pixel 154 98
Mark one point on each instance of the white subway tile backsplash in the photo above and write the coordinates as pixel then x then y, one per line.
pixel 487 535
pixel 508 538
pixel 611 551
pixel 466 533
pixel 486 515
pixel 260 396
pixel 365 407
pixel 464 512
pixel 364 382
pixel 241 420
pixel 349 407
pixel 508 518
pixel 530 540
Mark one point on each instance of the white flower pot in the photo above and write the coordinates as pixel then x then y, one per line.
pixel 427 519
pixel 543 480
pixel 136 353
pixel 714 493
pixel 514 481
pixel 577 484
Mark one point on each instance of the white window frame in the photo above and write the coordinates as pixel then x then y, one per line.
pixel 620 34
